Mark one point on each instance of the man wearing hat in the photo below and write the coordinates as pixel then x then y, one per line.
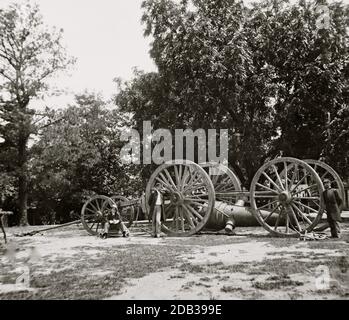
pixel 156 208
pixel 333 205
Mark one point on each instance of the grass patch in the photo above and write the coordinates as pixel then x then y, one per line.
pixel 77 282
pixel 228 289
pixel 213 268
pixel 272 285
pixel 191 268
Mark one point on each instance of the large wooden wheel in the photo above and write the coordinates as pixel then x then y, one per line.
pixel 286 197
pixel 325 171
pixel 126 209
pixel 188 195
pixel 226 183
pixel 93 214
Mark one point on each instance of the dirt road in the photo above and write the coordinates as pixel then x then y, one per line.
pixel 69 264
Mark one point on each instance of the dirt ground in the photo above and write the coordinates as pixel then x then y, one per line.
pixel 70 264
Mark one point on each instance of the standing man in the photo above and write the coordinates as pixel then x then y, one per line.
pixel 333 205
pixel 155 205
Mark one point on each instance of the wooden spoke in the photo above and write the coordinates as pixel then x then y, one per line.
pixel 193 187
pixel 214 178
pixel 198 204
pixel 193 211
pixel 307 188
pixel 304 217
pixel 271 213
pixel 98 206
pixel 196 199
pixel 290 210
pixel 94 212
pixel 188 217
pixel 307 198
pixel 295 171
pixel 278 176
pixel 299 183
pixel 265 196
pixel 178 178
pixel 324 175
pixel 186 175
pixel 305 206
pixel 224 189
pixel 286 176
pixel 317 204
pixel 272 182
pixel 164 184
pixel 194 178
pixel 268 204
pixel 94 207
pixel 170 185
pixel 266 188
pixel 170 179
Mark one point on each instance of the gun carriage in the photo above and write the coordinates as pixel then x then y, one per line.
pixel 285 198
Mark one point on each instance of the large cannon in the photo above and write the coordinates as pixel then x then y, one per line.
pixel 285 197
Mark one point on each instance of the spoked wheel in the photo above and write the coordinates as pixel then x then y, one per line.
pixel 127 211
pixel 188 196
pixel 93 213
pixel 226 183
pixel 286 197
pixel 327 172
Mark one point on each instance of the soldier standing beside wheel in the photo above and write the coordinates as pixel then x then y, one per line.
pixel 156 207
pixel 333 204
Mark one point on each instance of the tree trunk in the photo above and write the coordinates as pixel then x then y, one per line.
pixel 23 179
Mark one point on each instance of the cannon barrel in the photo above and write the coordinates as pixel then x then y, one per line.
pixel 238 214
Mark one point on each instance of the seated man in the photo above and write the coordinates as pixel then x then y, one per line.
pixel 113 218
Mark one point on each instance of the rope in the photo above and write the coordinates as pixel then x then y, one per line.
pixel 311 236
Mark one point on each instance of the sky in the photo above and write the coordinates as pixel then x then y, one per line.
pixel 106 37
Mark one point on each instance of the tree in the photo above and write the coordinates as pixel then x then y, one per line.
pixel 30 54
pixel 309 62
pixel 208 77
pixel 266 72
pixel 77 157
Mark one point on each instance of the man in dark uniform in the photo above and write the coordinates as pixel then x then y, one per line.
pixel 333 205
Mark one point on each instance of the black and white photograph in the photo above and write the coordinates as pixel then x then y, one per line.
pixel 183 151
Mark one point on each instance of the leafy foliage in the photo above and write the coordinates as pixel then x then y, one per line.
pixel 266 72
pixel 78 157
